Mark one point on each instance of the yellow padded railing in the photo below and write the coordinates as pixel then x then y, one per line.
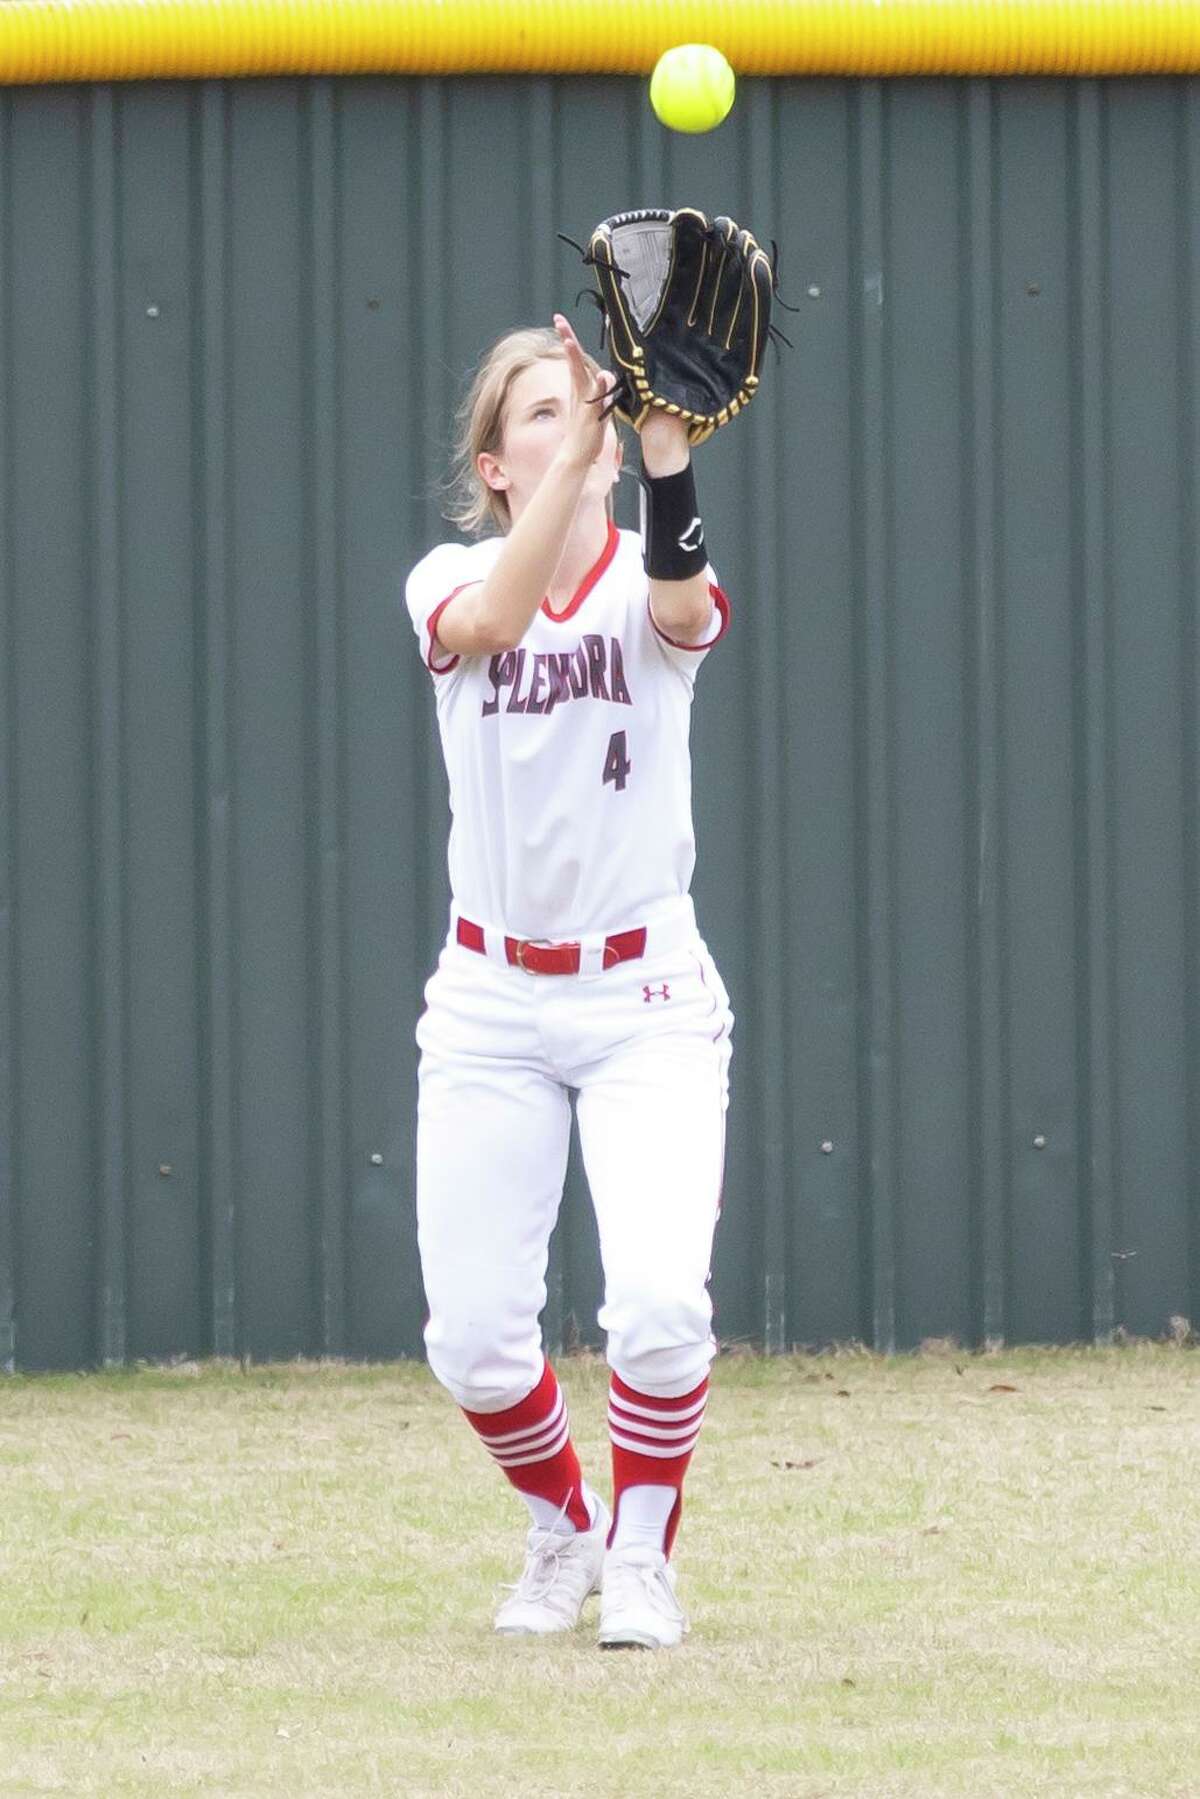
pixel 101 40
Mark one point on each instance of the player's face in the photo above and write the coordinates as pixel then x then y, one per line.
pixel 535 423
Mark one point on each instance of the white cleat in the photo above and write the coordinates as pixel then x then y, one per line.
pixel 638 1607
pixel 559 1574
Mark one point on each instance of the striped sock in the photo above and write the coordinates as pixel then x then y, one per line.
pixel 652 1444
pixel 531 1441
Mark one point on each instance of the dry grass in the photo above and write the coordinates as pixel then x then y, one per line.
pixel 945 1574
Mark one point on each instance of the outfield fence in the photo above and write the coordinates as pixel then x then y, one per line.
pixel 945 763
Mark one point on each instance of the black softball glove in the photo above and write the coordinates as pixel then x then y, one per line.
pixel 687 312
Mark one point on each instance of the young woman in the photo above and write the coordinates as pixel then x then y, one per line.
pixel 564 654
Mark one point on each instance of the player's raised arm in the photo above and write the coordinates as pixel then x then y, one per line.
pixel 687 309
pixel 676 554
pixel 555 433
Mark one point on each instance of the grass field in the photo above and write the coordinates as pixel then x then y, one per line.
pixel 942 1574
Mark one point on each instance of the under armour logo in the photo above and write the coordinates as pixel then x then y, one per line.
pixel 649 993
pixel 698 528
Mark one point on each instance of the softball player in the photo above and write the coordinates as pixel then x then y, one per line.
pixel 564 654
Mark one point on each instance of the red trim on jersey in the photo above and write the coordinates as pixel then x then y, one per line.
pixel 444 667
pixel 589 580
pixel 722 605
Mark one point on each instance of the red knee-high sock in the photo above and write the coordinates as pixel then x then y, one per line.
pixel 531 1441
pixel 652 1443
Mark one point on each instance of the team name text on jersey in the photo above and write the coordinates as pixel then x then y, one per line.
pixel 541 681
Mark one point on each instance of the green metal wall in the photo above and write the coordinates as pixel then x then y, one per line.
pixel 945 763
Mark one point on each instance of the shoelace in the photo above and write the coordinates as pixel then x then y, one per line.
pixel 538 1576
pixel 542 1562
pixel 659 1590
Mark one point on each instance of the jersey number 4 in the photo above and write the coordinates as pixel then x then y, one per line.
pixel 617 764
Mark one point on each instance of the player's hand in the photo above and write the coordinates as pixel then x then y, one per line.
pixel 585 428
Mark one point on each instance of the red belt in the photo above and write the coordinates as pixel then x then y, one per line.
pixel 555 958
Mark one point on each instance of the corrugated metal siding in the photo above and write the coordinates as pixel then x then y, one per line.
pixel 946 762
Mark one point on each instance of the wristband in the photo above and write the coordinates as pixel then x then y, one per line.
pixel 673 547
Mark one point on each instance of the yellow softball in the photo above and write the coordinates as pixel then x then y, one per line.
pixel 691 88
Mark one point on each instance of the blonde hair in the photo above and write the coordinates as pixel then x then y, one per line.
pixel 479 427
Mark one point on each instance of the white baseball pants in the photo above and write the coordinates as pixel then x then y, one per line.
pixel 645 1046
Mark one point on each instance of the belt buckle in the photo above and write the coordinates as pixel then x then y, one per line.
pixel 524 943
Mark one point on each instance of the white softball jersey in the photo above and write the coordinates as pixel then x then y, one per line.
pixel 568 758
